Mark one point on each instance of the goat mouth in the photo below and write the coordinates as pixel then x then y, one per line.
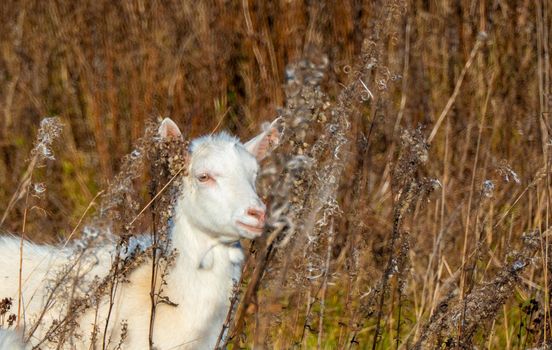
pixel 251 228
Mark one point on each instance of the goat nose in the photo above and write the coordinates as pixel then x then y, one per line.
pixel 258 214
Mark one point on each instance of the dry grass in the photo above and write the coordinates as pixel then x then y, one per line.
pixel 415 155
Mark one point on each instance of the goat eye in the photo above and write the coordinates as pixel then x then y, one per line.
pixel 204 178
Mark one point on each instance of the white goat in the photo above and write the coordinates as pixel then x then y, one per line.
pixel 218 206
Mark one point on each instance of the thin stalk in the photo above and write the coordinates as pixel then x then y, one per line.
pixel 325 284
pixel 457 87
pixel 21 244
pixel 153 280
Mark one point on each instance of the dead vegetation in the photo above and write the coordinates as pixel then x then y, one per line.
pixel 409 198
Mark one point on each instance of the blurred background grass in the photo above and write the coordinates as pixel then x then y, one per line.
pixel 106 68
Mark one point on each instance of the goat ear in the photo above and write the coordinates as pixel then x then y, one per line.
pixel 261 145
pixel 168 129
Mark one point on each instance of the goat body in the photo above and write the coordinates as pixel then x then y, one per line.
pixel 198 295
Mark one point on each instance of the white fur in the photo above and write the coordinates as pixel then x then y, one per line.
pixel 10 340
pixel 206 235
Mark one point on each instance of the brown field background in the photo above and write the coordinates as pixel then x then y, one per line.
pixel 395 266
